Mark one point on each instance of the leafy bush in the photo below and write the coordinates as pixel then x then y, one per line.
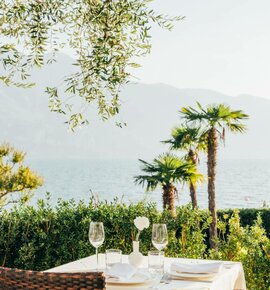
pixel 249 244
pixel 249 215
pixel 43 237
pixel 16 177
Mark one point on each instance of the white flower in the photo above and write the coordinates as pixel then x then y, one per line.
pixel 141 222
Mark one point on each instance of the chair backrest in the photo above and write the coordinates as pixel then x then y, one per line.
pixel 14 279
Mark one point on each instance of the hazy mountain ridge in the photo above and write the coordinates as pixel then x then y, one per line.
pixel 150 110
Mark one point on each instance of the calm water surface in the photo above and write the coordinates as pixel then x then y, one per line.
pixel 240 183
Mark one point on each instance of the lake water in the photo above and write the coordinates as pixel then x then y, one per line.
pixel 240 183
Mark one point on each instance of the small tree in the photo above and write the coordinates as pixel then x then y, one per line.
pixel 188 139
pixel 166 171
pixel 14 176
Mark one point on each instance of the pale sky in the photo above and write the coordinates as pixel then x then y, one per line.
pixel 221 45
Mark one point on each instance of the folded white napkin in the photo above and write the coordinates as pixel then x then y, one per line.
pixel 205 268
pixel 121 271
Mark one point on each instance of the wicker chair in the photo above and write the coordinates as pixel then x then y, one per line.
pixel 13 279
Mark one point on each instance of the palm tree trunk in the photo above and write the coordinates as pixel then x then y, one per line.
pixel 169 198
pixel 212 147
pixel 193 194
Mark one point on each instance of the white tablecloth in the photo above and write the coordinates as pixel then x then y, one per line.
pixel 231 278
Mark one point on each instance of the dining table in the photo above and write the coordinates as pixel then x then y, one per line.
pixel 230 278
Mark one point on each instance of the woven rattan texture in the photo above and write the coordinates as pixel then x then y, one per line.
pixel 13 279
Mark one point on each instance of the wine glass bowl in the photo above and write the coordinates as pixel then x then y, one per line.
pixel 159 236
pixel 96 236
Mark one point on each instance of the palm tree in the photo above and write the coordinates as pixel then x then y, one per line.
pixel 166 171
pixel 189 139
pixel 213 121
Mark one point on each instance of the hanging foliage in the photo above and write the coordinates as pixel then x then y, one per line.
pixel 104 36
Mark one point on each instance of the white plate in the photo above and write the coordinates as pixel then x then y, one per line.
pixel 138 278
pixel 193 276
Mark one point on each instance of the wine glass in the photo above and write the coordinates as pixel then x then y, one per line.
pixel 159 236
pixel 96 236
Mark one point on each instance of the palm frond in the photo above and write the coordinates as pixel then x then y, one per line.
pixel 191 115
pixel 150 181
pixel 186 138
pixel 165 170
pixel 215 116
pixel 235 127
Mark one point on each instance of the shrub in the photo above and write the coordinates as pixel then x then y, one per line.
pixel 248 245
pixel 43 237
pixel 249 215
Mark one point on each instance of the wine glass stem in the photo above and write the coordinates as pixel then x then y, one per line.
pixel 97 257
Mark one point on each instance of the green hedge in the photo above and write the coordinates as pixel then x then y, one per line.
pixel 249 215
pixel 43 237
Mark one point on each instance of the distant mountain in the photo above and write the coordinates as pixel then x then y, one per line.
pixel 150 110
